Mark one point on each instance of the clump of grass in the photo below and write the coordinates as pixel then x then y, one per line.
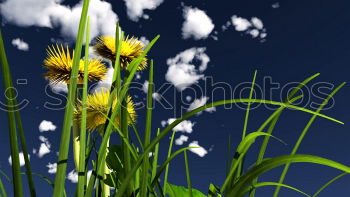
pixel 127 166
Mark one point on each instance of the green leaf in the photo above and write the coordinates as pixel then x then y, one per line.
pixel 180 191
pixel 269 164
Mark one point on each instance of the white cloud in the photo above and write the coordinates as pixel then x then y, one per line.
pixel 257 23
pixel 45 147
pixel 135 8
pixel 21 159
pixel 275 5
pixel 181 140
pixel 73 176
pixel 240 24
pixel 163 123
pixel 200 151
pixel 185 126
pixel 199 103
pixel 144 40
pixel 20 44
pixel 182 72
pixel 197 24
pixel 58 87
pixel 50 13
pixel 254 26
pixel 46 126
pixel 52 168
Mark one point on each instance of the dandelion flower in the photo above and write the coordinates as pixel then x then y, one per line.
pixel 97 109
pixel 59 64
pixel 131 48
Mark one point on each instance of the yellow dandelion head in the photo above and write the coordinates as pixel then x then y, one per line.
pixel 59 64
pixel 131 48
pixel 97 109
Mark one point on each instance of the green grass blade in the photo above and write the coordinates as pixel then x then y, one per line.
pixel 269 164
pixel 302 135
pixel 170 149
pixel 244 132
pixel 214 191
pixel 241 151
pixel 10 97
pixel 264 184
pixel 195 111
pixel 82 137
pixel 145 167
pixel 2 188
pixel 25 154
pixel 67 123
pixel 165 164
pixel 290 99
pixel 329 183
pixel 155 160
pixel 188 178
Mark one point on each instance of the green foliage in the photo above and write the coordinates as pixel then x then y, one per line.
pixel 177 191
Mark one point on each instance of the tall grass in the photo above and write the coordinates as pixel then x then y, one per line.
pixel 128 167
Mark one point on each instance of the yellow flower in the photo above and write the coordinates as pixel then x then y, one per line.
pixel 97 109
pixel 59 64
pixel 131 48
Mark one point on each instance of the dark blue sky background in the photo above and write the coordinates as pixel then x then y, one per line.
pixel 303 38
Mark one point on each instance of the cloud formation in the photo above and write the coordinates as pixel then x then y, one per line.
pixel 185 126
pixel 253 27
pixel 20 44
pixel 199 150
pixel 45 147
pixel 46 126
pixel 52 168
pixel 181 140
pixel 21 159
pixel 199 103
pixel 197 24
pixel 135 8
pixel 51 14
pixel 182 71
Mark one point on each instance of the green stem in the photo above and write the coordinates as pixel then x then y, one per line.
pixel 188 175
pixel 10 97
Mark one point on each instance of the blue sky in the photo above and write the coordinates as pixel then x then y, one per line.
pixel 204 45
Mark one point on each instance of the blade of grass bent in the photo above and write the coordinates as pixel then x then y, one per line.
pixel 82 138
pixel 269 164
pixel 290 99
pixel 17 181
pixel 67 123
pixel 241 151
pixel 143 190
pixel 166 162
pixel 302 135
pixel 329 183
pixel 264 184
pixel 195 111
